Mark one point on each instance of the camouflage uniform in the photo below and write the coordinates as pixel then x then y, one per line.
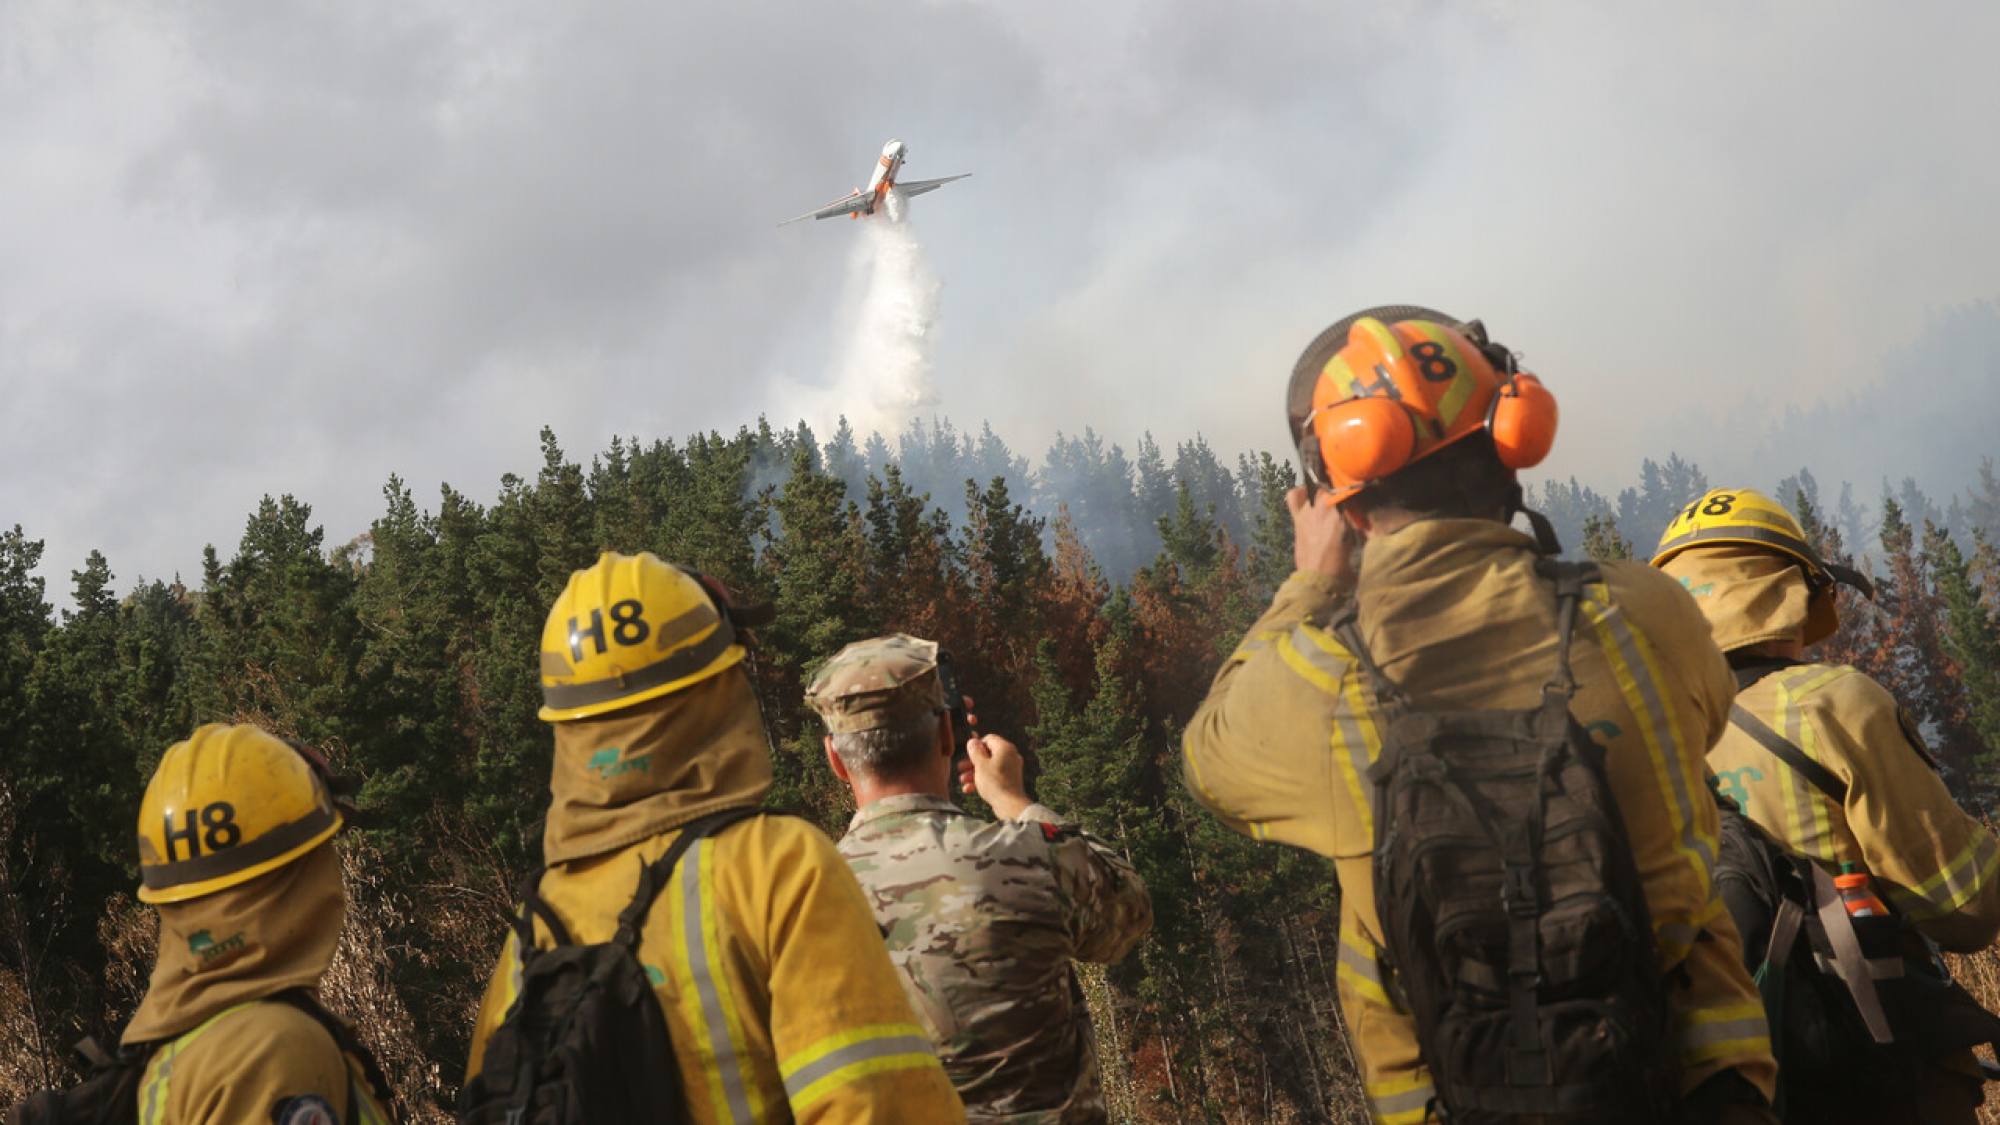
pixel 985 920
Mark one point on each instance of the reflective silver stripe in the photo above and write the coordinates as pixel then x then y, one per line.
pixel 1807 836
pixel 1348 736
pixel 1363 965
pixel 728 1068
pixel 156 1089
pixel 1725 1031
pixel 1314 654
pixel 1656 718
pixel 797 1081
pixel 1963 877
pixel 1405 1102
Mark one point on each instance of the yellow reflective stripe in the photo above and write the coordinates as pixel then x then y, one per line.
pixel 1401 1101
pixel 1956 883
pixel 1310 661
pixel 717 1028
pixel 1359 740
pixel 1194 775
pixel 510 976
pixel 1678 775
pixel 1359 964
pixel 848 1056
pixel 1730 1031
pixel 159 1071
pixel 153 1085
pixel 1252 645
pixel 1808 810
pixel 1326 664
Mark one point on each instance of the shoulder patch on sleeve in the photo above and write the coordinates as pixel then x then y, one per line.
pixel 1050 832
pixel 311 1109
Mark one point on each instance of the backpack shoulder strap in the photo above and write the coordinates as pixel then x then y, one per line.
pixel 1570 578
pixel 654 876
pixel 1347 626
pixel 1822 779
pixel 343 1038
pixel 533 906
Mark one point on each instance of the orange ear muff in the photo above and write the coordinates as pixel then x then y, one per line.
pixel 1523 422
pixel 1365 439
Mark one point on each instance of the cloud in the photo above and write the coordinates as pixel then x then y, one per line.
pixel 294 247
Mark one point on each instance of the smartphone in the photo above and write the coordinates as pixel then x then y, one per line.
pixel 954 697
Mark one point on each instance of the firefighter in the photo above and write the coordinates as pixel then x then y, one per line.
pixel 779 997
pixel 1821 757
pixel 1411 426
pixel 236 852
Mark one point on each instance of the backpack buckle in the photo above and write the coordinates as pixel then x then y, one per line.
pixel 1517 891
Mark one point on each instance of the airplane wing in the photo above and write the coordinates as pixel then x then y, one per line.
pixel 918 187
pixel 845 205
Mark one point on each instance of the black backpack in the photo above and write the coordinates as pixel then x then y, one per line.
pixel 1858 1007
pixel 109 1092
pixel 1515 923
pixel 586 1042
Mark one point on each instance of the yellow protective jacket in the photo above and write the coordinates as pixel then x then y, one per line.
pixel 245 1063
pixel 1452 610
pixel 1940 867
pixel 778 990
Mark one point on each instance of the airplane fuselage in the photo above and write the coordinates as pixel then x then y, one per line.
pixel 884 194
pixel 883 180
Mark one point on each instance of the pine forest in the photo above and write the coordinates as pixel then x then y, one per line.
pixel 1087 599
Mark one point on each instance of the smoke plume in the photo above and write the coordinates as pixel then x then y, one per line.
pixel 885 375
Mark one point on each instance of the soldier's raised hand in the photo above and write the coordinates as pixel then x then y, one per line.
pixel 997 774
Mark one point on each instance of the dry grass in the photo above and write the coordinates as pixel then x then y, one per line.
pixel 1980 974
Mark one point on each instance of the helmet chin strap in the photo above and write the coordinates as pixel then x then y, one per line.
pixel 1851 578
pixel 1545 532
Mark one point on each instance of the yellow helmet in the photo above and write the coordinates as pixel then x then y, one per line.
pixel 225 806
pixel 631 628
pixel 1746 517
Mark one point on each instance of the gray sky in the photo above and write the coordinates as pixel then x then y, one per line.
pixel 270 247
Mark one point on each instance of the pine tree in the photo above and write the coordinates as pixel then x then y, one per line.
pixel 1007 577
pixel 1568 504
pixel 1270 561
pixel 844 460
pixel 1971 637
pixel 1601 540
pixel 1982 507
pixel 1949 682
pixel 813 562
pixel 1152 496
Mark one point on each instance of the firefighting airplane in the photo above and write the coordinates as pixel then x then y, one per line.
pixel 883 192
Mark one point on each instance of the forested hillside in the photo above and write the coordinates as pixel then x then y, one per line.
pixel 1088 598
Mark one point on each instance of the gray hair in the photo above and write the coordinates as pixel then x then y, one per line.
pixel 888 751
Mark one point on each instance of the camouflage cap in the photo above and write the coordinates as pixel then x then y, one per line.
pixel 878 683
